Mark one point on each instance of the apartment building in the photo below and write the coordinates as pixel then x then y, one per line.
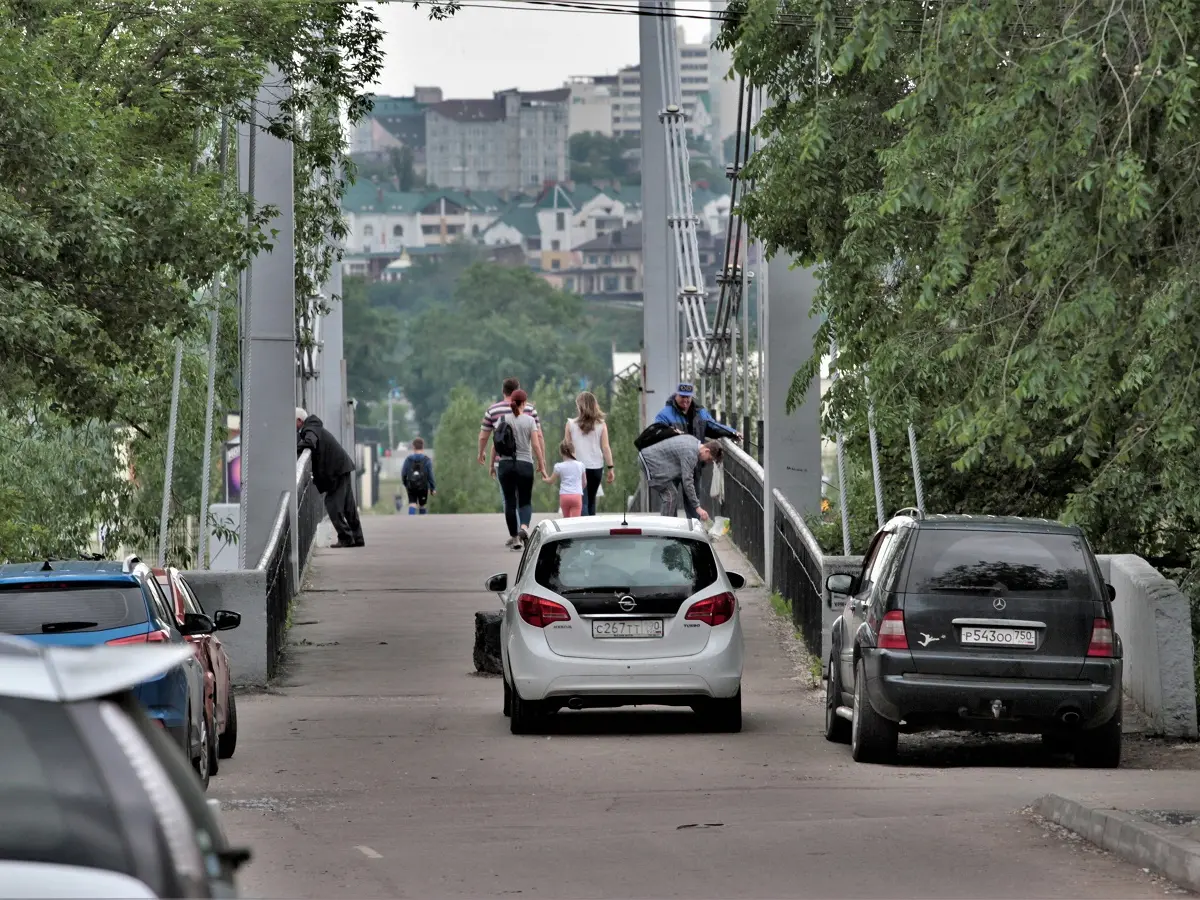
pixel 395 122
pixel 693 81
pixel 514 140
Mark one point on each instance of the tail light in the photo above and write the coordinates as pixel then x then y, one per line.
pixel 714 610
pixel 1102 639
pixel 891 632
pixel 150 637
pixel 540 612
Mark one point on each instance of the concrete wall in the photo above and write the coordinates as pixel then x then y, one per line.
pixel 245 592
pixel 1154 622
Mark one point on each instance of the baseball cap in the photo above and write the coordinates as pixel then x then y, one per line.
pixel 685 389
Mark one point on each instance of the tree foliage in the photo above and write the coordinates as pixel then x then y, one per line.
pixel 113 220
pixel 501 322
pixel 1003 205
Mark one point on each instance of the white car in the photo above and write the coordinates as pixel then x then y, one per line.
pixel 607 611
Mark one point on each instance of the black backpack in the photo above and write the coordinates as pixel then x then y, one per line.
pixel 504 439
pixel 655 433
pixel 417 481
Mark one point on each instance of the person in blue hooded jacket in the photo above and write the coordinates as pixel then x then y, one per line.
pixel 684 413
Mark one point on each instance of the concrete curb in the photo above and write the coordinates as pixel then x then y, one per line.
pixel 1131 838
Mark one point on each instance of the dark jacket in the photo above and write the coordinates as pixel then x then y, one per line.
pixel 414 460
pixel 697 421
pixel 329 460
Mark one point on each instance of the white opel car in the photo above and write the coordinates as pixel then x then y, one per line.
pixel 607 611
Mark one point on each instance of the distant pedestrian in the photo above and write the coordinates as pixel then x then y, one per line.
pixel 417 476
pixel 684 412
pixel 670 465
pixel 516 444
pixel 571 474
pixel 490 416
pixel 588 434
pixel 333 475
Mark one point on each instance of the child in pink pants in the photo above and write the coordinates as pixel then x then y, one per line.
pixel 570 474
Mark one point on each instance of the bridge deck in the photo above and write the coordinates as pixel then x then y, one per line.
pixel 381 766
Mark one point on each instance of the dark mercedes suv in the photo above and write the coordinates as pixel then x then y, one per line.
pixel 975 623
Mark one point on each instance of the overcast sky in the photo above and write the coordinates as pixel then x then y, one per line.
pixel 481 50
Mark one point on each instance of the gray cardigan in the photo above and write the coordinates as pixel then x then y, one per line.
pixel 673 460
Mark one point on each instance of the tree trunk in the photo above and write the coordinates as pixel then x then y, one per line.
pixel 487 641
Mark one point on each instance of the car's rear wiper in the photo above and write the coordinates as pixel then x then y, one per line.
pixel 964 588
pixel 602 589
pixel 70 625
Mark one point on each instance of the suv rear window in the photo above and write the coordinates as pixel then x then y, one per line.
pixel 35 608
pixel 626 562
pixel 1010 562
pixel 53 806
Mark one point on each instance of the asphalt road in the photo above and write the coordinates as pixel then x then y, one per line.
pixel 381 766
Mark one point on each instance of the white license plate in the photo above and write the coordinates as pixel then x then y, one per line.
pixel 999 637
pixel 627 628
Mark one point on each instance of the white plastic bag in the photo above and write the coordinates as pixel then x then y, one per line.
pixel 717 489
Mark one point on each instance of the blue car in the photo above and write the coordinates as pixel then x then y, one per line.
pixel 85 603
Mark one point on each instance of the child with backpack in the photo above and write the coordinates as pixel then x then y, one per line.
pixel 570 473
pixel 417 477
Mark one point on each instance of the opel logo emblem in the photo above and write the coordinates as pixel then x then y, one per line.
pixel 999 604
pixel 627 603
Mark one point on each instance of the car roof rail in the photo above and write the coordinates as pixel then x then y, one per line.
pixel 911 511
pixel 130 562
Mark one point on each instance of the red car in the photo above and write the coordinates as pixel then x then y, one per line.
pixel 221 707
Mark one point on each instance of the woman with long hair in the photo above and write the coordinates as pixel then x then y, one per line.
pixel 588 434
pixel 516 472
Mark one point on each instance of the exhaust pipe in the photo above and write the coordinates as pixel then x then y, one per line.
pixel 575 703
pixel 1070 717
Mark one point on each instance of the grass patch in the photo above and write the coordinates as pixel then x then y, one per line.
pixel 781 605
pixel 815 668
pixel 385 505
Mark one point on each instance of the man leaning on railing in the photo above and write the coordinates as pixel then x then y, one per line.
pixel 333 475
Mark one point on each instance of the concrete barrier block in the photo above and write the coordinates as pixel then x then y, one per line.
pixel 242 591
pixel 1153 619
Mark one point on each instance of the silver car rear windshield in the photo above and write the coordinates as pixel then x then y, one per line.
pixel 51 607
pixel 1007 562
pixel 631 563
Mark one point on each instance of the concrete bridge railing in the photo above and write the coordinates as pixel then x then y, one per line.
pixel 1152 615
pixel 264 594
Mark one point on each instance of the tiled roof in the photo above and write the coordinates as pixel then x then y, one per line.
pixel 630 238
pixel 367 197
pixel 555 197
pixel 471 110
pixel 522 217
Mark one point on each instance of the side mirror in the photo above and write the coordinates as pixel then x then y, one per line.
pixel 737 581
pixel 1112 593
pixel 840 584
pixel 498 584
pixel 196 623
pixel 224 620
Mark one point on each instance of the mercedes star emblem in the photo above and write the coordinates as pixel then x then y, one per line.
pixel 999 603
pixel 627 603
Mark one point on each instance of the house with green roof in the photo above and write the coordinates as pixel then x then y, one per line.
pixel 383 224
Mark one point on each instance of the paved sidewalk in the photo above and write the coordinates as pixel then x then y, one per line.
pixel 380 766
